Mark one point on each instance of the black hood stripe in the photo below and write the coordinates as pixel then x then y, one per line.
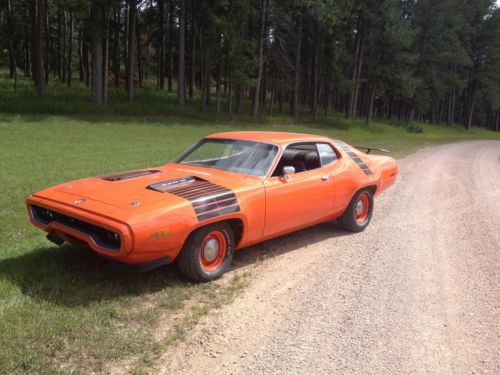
pixel 209 200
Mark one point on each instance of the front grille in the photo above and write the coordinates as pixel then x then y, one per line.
pixel 104 238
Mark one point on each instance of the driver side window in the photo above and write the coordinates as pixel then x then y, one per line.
pixel 302 156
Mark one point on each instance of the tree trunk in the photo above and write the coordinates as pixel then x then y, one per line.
pixel 451 108
pixel 181 80
pixel 353 100
pixel 239 100
pixel 326 98
pixel 125 37
pixel 70 49
pixel 170 43
pixel 139 57
pixel 315 89
pixel 37 55
pixel 45 27
pixel 59 40
pixel 161 50
pixel 260 55
pixel 208 83
pixel 218 84
pixel 116 47
pixel 192 70
pixel 80 56
pixel 105 59
pixel 97 15
pixel 230 99
pixel 226 74
pixel 371 101
pixel 203 101
pixel 263 87
pixel 471 106
pixel 412 114
pixel 130 51
pixel 12 52
pixel 63 62
pixel 13 63
pixel 12 59
pixel 27 53
pixel 86 63
pixel 296 80
pixel 271 102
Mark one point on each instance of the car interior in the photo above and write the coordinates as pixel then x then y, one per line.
pixel 303 157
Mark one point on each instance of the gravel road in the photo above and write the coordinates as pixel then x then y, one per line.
pixel 417 292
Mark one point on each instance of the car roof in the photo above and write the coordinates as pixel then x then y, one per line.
pixel 281 138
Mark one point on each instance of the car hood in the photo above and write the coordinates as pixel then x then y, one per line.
pixel 137 191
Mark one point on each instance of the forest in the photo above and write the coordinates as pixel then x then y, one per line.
pixel 401 60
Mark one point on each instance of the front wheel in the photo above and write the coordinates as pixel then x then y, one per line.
pixel 207 253
pixel 358 214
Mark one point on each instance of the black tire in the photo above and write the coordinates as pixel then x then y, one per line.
pixel 352 221
pixel 191 261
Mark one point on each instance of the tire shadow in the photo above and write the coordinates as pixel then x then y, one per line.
pixel 76 276
pixel 287 243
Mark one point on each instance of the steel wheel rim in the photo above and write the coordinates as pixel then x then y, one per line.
pixel 361 208
pixel 213 251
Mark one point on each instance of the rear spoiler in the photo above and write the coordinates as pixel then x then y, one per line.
pixel 369 149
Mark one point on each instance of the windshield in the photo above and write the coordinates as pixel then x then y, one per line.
pixel 253 158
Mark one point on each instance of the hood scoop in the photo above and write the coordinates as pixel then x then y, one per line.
pixel 128 175
pixel 191 188
pixel 173 185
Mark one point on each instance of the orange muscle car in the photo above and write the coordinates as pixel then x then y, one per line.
pixel 226 192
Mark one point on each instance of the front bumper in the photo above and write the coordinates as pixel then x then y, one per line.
pixel 78 225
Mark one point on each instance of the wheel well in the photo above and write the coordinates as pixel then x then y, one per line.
pixel 236 226
pixel 373 188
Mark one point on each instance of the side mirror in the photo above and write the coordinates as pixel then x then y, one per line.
pixel 287 170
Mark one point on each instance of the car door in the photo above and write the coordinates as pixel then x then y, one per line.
pixel 300 199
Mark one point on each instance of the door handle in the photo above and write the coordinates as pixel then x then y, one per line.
pixel 325 178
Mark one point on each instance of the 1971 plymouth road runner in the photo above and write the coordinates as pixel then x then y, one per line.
pixel 227 192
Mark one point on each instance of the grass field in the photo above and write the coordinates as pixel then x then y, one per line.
pixel 65 309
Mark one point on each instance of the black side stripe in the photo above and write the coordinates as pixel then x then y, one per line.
pixel 355 157
pixel 208 200
pixel 222 211
pixel 203 209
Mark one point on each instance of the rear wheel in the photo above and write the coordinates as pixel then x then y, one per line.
pixel 207 253
pixel 358 214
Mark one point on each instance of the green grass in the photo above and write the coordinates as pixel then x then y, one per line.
pixel 67 310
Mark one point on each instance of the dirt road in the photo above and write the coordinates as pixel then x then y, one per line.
pixel 417 292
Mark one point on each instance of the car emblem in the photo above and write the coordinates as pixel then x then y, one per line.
pixel 79 201
pixel 160 234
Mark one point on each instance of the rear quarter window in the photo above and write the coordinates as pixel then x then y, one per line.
pixel 327 154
